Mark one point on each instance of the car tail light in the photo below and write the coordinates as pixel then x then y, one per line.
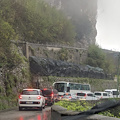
pixel 51 94
pixel 85 95
pixel 45 89
pixel 38 97
pixel 20 97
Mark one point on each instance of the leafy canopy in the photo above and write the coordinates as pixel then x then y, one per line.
pixel 97 58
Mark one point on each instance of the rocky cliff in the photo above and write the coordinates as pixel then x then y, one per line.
pixel 83 15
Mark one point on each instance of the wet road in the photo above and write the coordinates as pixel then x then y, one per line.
pixel 30 114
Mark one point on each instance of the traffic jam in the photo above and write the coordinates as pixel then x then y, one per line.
pixel 40 98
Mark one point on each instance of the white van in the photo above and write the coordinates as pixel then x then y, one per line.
pixel 112 92
pixel 101 95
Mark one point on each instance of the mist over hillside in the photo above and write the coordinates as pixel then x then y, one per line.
pixel 83 15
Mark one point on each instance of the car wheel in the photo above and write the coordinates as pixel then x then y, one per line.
pixel 20 108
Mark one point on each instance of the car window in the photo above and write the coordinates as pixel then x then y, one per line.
pixel 81 94
pixel 115 93
pixel 105 94
pixel 30 92
pixel 98 94
pixel 46 92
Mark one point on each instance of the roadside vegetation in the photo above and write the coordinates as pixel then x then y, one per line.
pixel 97 58
pixel 87 105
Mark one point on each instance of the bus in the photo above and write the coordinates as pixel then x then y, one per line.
pixel 70 87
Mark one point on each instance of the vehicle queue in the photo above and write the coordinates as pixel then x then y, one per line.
pixel 39 98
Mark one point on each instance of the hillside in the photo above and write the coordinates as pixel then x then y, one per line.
pixel 35 21
pixel 83 15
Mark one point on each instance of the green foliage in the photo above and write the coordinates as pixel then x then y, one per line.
pixel 75 105
pixel 7 102
pixel 85 105
pixel 36 21
pixel 63 54
pixel 6 33
pixel 32 21
pixel 25 72
pixel 97 58
pixel 46 52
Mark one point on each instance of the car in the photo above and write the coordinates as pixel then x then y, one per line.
pixel 66 97
pixel 31 98
pixel 101 95
pixel 86 96
pixel 81 96
pixel 91 96
pixel 51 96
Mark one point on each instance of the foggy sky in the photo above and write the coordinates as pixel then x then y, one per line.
pixel 108 24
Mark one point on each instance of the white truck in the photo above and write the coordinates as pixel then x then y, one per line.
pixel 113 93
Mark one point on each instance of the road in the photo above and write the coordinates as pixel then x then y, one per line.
pixel 30 114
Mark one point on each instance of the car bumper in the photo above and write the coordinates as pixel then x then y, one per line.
pixel 30 103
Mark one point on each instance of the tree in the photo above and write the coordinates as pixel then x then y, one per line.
pixel 97 58
pixel 37 22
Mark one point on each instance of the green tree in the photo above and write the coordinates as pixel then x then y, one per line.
pixel 36 21
pixel 6 34
pixel 97 58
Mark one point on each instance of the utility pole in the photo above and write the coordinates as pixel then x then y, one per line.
pixel 118 73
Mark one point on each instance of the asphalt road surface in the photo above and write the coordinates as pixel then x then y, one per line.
pixel 30 114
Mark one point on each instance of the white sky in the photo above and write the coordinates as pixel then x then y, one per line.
pixel 108 24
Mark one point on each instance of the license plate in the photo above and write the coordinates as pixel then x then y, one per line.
pixel 29 102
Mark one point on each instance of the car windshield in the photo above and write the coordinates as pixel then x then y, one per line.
pixel 30 92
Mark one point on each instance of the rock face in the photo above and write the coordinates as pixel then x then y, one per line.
pixel 83 14
pixel 49 67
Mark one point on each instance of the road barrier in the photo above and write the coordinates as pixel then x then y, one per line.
pixel 60 113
